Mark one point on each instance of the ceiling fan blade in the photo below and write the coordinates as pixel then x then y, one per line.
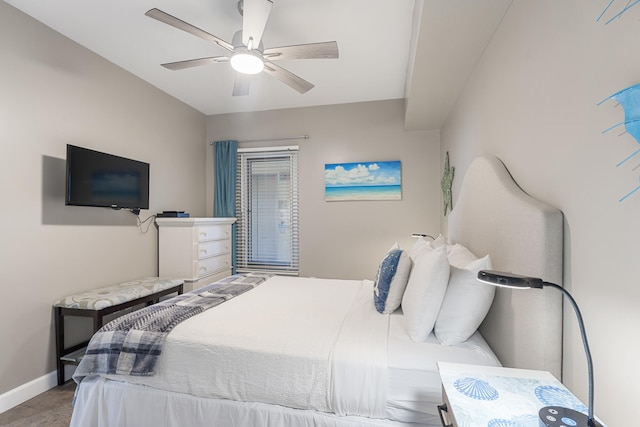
pixel 190 63
pixel 303 51
pixel 255 14
pixel 242 84
pixel 287 77
pixel 161 16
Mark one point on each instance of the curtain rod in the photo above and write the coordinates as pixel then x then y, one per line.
pixel 272 139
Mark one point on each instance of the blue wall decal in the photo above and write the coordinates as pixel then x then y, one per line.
pixel 629 98
pixel 629 5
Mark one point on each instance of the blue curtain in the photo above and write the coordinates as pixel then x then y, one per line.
pixel 224 193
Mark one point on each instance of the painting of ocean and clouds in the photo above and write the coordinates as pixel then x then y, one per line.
pixel 363 181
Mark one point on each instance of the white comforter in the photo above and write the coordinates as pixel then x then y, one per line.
pixel 332 358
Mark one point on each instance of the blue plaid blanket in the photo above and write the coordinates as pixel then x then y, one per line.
pixel 132 344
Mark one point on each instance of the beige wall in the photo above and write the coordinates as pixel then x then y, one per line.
pixel 532 102
pixel 54 92
pixel 347 239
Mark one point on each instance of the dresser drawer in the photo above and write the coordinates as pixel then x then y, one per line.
pixel 213 248
pixel 205 233
pixel 213 265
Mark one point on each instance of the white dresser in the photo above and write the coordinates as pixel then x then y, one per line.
pixel 194 249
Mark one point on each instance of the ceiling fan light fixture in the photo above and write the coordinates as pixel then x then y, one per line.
pixel 247 54
pixel 246 61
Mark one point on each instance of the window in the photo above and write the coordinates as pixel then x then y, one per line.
pixel 267 210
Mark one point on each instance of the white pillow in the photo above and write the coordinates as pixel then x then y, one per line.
pixel 422 243
pixel 460 256
pixel 391 280
pixel 465 304
pixel 439 241
pixel 425 292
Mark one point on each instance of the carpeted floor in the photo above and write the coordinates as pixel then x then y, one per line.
pixel 51 409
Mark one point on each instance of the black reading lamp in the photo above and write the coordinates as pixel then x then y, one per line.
pixel 550 416
pixel 417 235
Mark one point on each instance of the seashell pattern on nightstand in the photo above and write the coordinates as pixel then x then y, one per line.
pixel 476 389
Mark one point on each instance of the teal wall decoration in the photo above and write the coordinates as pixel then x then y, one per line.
pixel 629 5
pixel 445 183
pixel 629 98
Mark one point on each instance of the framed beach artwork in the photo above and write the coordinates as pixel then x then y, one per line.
pixel 363 181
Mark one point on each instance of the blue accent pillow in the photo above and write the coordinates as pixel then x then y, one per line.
pixel 391 281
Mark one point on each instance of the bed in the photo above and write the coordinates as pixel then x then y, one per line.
pixel 317 352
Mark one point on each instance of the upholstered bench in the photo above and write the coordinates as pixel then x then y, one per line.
pixel 98 303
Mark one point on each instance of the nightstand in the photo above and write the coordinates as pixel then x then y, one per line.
pixel 479 396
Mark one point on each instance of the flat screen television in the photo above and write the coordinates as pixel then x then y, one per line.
pixel 104 180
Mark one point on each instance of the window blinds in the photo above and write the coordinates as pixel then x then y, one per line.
pixel 267 211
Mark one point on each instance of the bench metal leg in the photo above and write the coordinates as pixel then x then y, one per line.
pixel 59 324
pixel 97 321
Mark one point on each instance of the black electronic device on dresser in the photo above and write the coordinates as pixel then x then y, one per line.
pixel 173 214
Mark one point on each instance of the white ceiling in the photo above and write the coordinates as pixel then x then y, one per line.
pixel 386 51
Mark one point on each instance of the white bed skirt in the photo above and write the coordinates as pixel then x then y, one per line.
pixel 101 402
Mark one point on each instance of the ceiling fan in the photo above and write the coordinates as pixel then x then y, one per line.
pixel 247 53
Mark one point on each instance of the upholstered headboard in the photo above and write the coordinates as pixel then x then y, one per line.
pixel 492 215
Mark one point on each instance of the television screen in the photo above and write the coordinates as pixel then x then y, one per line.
pixel 104 180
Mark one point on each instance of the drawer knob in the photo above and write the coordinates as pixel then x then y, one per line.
pixel 441 410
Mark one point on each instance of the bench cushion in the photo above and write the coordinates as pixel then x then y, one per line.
pixel 97 299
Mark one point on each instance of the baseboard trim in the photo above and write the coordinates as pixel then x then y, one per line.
pixel 20 394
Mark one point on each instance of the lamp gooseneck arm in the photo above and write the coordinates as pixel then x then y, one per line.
pixel 566 293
